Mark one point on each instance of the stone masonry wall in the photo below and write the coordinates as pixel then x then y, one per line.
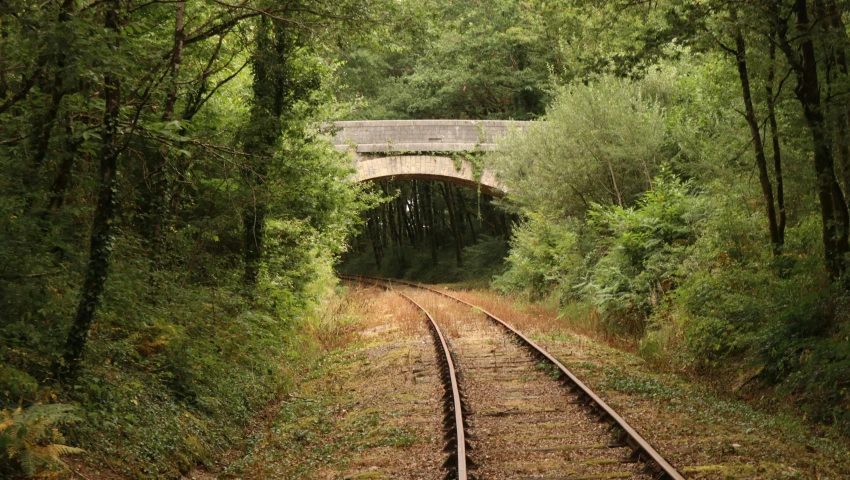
pixel 418 140
pixel 427 167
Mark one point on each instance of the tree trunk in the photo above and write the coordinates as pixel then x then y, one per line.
pixel 376 242
pixel 159 209
pixel 429 220
pixel 273 47
pixel 774 136
pixel 254 219
pixel 614 183
pixel 834 214
pixel 468 216
pixel 101 241
pixel 417 214
pixel 755 133
pixel 385 243
pixel 411 226
pixel 391 221
pixel 44 128
pixel 63 174
pixel 176 60
pixel 453 222
pixel 402 224
pixel 507 227
pixel 834 25
pixel 404 219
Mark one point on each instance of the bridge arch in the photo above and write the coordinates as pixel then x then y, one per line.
pixel 416 149
pixel 427 167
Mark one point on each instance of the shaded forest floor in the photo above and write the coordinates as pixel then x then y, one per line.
pixel 369 409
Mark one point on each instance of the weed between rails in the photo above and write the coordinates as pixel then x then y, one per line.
pixel 451 316
pixel 531 319
pixel 379 309
pixel 549 369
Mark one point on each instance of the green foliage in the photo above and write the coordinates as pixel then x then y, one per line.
pixel 623 260
pixel 180 352
pixel 544 255
pixel 643 247
pixel 684 265
pixel 818 374
pixel 732 289
pixel 601 143
pixel 461 59
pixel 30 440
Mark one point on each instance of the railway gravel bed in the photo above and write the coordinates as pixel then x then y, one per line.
pixel 526 425
pixel 523 422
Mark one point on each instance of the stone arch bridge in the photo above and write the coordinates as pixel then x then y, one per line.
pixel 421 149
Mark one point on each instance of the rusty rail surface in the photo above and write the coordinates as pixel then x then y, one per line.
pixel 458 462
pixel 626 436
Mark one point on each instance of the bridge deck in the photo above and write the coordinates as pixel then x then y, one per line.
pixel 375 136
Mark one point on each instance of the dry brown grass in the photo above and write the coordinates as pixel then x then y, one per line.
pixel 538 319
pixel 335 327
pixel 409 319
pixel 375 309
pixel 454 318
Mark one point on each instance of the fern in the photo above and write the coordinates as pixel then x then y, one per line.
pixel 30 441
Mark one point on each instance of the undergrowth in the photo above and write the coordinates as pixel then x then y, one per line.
pixel 173 372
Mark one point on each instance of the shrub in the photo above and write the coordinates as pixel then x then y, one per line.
pixel 545 254
pixel 643 248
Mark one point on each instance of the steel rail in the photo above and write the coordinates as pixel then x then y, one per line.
pixel 642 450
pixel 452 385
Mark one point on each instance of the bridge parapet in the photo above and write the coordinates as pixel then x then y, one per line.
pixel 377 136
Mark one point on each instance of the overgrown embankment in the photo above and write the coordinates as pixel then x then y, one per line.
pixel 631 218
pixel 166 385
pixel 170 208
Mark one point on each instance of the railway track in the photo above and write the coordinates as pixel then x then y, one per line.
pixel 454 423
pixel 531 416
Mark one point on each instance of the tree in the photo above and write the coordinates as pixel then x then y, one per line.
pixel 776 226
pixel 601 143
pixel 803 59
pixel 101 244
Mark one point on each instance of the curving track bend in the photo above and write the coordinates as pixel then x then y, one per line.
pixel 528 416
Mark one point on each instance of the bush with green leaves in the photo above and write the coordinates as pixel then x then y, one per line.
pixel 601 143
pixel 738 307
pixel 623 260
pixel 170 382
pixel 642 248
pixel 818 366
pixel 545 255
